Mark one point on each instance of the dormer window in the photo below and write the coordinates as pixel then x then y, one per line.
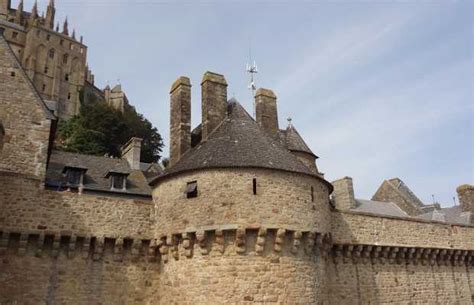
pixel 74 176
pixel 117 180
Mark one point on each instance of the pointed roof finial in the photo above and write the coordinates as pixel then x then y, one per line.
pixel 51 3
pixel 289 122
pixel 20 6
pixel 19 12
pixel 73 34
pixel 65 27
pixel 34 10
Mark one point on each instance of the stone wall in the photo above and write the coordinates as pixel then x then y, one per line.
pixel 388 193
pixel 244 267
pixel 225 197
pixel 25 207
pixel 360 228
pixel 23 118
pixel 377 283
pixel 69 278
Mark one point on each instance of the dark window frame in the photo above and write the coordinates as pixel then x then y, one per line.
pixel 191 189
pixel 118 182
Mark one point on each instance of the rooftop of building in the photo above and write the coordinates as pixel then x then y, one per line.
pixel 239 142
pixel 96 173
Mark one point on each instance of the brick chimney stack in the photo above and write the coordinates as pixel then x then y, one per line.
pixel 180 118
pixel 131 151
pixel 214 101
pixel 344 194
pixel 266 110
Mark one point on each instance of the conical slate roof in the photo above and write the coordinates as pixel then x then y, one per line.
pixel 238 142
pixel 294 142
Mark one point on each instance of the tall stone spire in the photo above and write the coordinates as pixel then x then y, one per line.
pixel 19 13
pixel 50 12
pixel 73 34
pixel 57 27
pixel 65 27
pixel 34 11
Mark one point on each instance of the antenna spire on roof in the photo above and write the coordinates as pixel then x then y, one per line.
pixel 252 70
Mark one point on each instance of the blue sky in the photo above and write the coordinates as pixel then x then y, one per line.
pixel 377 89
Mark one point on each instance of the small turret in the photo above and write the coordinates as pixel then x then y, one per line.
pixel 50 12
pixel 65 27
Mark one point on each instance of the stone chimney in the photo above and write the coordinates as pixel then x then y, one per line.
pixel 131 151
pixel 180 118
pixel 466 197
pixel 266 110
pixel 344 194
pixel 214 101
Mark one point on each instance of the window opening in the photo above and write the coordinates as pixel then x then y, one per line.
pixel 191 189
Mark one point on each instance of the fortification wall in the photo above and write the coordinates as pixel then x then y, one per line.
pixel 378 260
pixel 44 275
pixel 69 248
pixel 359 228
pixel 26 207
pixel 225 197
pixel 244 266
pixel 351 282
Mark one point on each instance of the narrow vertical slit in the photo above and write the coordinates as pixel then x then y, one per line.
pixel 254 182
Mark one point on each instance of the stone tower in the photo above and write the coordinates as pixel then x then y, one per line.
pixel 237 210
pixel 55 61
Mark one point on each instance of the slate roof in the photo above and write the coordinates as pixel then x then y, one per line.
pixel 379 208
pixel 293 141
pixel 236 142
pixel 450 215
pixel 95 177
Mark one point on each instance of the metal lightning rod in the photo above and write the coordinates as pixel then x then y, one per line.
pixel 252 70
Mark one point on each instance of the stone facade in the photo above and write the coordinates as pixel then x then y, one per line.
pixel 55 60
pixel 234 227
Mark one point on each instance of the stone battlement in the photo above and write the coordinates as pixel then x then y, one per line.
pixel 260 241
pixel 88 247
pixel 401 255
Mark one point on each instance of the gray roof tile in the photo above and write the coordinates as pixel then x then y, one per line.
pixel 379 208
pixel 96 174
pixel 239 142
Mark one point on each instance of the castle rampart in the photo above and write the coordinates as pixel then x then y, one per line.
pixel 228 195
